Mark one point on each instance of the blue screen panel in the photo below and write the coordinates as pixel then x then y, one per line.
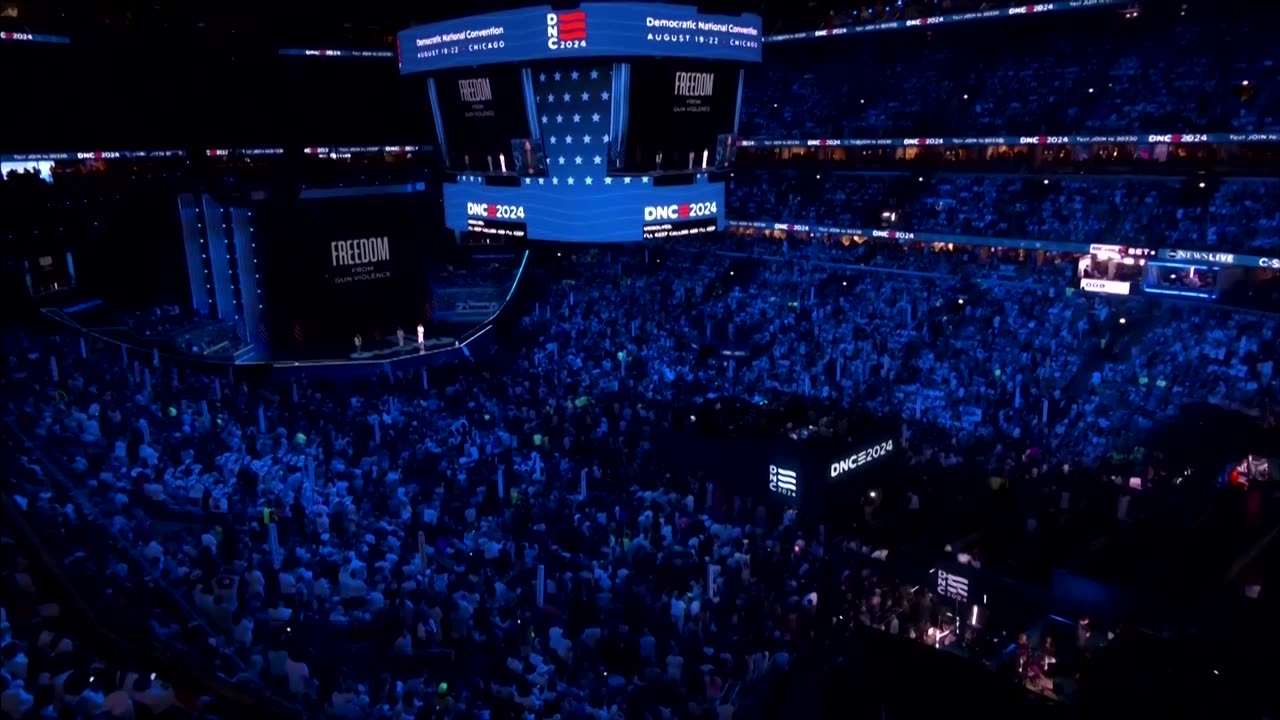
pixel 586 209
pixel 10 36
pixel 591 30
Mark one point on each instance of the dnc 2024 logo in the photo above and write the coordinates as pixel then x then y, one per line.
pixel 566 30
pixel 783 481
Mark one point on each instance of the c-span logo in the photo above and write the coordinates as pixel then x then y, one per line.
pixel 567 30
pixel 782 481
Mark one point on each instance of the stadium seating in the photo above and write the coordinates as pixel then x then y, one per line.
pixel 501 537
pixel 1236 216
pixel 1083 73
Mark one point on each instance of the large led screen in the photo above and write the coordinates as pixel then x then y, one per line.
pixel 591 30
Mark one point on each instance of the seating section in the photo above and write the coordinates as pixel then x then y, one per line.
pixel 1091 72
pixel 1240 216
pixel 508 533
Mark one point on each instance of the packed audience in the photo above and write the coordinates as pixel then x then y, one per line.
pixel 374 553
pixel 1245 215
pixel 1220 357
pixel 54 662
pixel 1233 215
pixel 502 537
pixel 1201 69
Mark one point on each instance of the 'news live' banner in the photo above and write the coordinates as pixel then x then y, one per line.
pixel 1114 138
pixel 1210 257
pixel 621 29
pixel 590 210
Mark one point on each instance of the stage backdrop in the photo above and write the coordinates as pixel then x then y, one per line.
pixel 482 111
pixel 678 107
pixel 337 266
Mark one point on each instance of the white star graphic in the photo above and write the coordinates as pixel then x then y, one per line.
pixel 557 77
pixel 542 181
pixel 544 119
pixel 553 139
pixel 559 118
pixel 576 117
pixel 594 75
pixel 573 75
pixel 542 77
pixel 528 181
pixel 598 159
pixel 605 138
pixel 577 160
pixel 595 117
pixel 568 139
pixel 586 138
pixel 586 96
pixel 588 180
pixel 604 95
pixel 608 180
pixel 555 181
pixel 561 159
pixel 566 97
pixel 570 181
pixel 551 98
pixel 645 179
pixel 626 181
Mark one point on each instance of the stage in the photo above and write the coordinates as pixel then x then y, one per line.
pixel 98 323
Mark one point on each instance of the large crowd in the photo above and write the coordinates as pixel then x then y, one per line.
pixel 1201 68
pixel 506 536
pixel 1241 216
pixel 374 552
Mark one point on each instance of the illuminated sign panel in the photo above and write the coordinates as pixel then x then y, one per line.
pixel 624 29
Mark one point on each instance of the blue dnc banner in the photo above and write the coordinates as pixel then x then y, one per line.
pixel 586 207
pixel 591 30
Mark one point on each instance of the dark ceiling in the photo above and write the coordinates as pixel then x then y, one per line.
pixel 275 21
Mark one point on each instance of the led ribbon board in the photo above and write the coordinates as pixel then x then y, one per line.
pixel 616 30
pixel 582 207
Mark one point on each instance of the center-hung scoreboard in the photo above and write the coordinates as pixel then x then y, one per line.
pixel 609 122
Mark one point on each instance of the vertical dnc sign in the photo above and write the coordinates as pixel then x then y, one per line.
pixel 953 586
pixel 566 30
pixel 783 481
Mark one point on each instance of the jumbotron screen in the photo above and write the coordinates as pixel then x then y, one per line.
pixel 615 30
pixel 336 267
pixel 596 153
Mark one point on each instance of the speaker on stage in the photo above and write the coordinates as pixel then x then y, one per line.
pixel 726 151
pixel 528 157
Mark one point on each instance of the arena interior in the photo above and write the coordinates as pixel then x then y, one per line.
pixel 937 376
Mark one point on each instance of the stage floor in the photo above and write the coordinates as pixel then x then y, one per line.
pixel 444 338
pixel 98 320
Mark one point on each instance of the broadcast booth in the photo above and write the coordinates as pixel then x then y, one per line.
pixel 1113 269
pixel 790 452
pixel 606 122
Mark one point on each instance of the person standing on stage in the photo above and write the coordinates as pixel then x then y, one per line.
pixel 422 335
pixel 359 342
pixel 400 337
